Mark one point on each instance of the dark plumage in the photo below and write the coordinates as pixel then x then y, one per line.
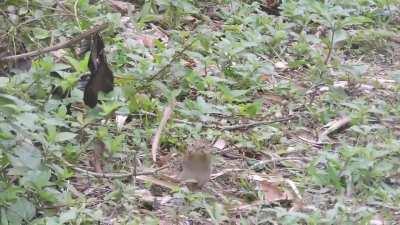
pixel 101 76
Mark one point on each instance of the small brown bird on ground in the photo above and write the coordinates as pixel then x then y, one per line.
pixel 196 164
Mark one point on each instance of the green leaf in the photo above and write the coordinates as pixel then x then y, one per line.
pixel 21 210
pixel 65 136
pixel 39 178
pixel 251 109
pixel 340 36
pixel 68 216
pixel 40 33
pixel 26 156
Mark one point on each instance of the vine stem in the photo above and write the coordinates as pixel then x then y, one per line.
pixel 328 56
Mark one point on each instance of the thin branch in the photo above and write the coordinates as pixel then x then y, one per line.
pixel 331 46
pixel 110 175
pixel 61 45
pixel 227 128
pixel 264 162
pixel 253 124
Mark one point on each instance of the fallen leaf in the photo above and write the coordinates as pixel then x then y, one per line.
pixel 159 182
pixel 155 143
pixel 281 65
pixel 377 220
pixel 294 188
pixel 334 126
pixel 274 188
pixel 273 192
pixel 147 40
pixel 220 144
pixel 120 120
pixel 123 7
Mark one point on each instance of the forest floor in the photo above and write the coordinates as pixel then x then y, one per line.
pixel 221 113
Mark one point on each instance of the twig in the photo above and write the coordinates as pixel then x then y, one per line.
pixel 229 170
pixel 334 126
pixel 331 46
pixel 156 140
pixel 175 120
pixel 76 14
pixel 57 46
pixel 225 128
pixel 253 124
pixel 264 162
pixel 111 175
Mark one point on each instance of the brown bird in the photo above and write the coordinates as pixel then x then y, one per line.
pixel 101 76
pixel 196 164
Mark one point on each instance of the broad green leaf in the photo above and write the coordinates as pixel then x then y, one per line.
pixel 38 178
pixel 65 136
pixel 26 156
pixel 251 109
pixel 40 33
pixel 339 36
pixel 68 216
pixel 21 210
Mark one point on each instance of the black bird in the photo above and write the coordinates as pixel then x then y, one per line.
pixel 101 76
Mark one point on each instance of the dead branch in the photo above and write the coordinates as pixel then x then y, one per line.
pixel 110 175
pixel 61 45
pixel 253 124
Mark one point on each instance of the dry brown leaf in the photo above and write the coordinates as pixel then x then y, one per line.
pixel 281 65
pixel 159 182
pixel 147 40
pixel 265 77
pixel 273 192
pixel 120 120
pixel 377 220
pixel 274 187
pixel 334 126
pixel 155 144
pixel 123 7
pixel 220 144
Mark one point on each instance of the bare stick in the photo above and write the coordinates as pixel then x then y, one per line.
pixel 331 46
pixel 253 124
pixel 264 162
pixel 228 128
pixel 57 46
pixel 156 140
pixel 110 175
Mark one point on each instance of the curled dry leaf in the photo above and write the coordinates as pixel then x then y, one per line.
pixel 158 181
pixel 120 120
pixel 155 144
pixel 123 7
pixel 334 126
pixel 220 144
pixel 281 65
pixel 147 40
pixel 377 220
pixel 275 188
pixel 274 192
